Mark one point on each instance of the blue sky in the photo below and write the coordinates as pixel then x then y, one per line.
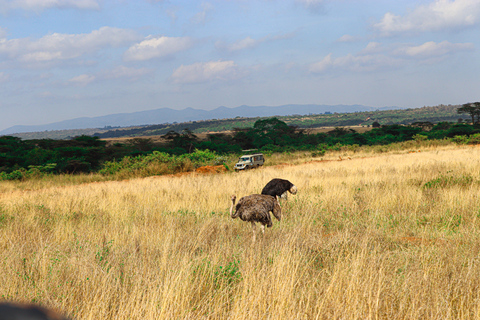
pixel 63 59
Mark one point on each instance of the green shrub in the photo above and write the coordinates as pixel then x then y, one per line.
pixel 474 139
pixel 158 163
pixel 460 139
pixel 200 157
pixel 32 172
pixel 318 153
pixel 420 137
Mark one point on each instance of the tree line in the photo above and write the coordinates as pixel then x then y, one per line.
pixel 90 154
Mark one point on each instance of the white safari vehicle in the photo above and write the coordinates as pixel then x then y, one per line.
pixel 250 161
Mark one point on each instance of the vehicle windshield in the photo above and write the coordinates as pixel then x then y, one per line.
pixel 244 159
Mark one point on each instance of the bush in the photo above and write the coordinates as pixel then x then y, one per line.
pixel 474 139
pixel 158 163
pixel 32 172
pixel 460 139
pixel 318 153
pixel 200 157
pixel 420 137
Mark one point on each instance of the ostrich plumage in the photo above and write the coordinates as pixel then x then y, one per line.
pixel 256 208
pixel 28 311
pixel 279 188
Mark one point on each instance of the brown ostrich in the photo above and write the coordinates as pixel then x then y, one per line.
pixel 279 188
pixel 256 208
pixel 17 311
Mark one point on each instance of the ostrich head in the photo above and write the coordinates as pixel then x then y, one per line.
pixel 293 190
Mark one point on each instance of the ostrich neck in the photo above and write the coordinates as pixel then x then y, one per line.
pixel 231 208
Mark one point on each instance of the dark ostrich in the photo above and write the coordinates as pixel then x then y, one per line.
pixel 256 208
pixel 16 311
pixel 279 188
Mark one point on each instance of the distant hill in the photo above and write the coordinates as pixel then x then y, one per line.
pixel 385 116
pixel 388 116
pixel 167 115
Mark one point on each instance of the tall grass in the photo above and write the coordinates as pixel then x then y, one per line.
pixel 391 235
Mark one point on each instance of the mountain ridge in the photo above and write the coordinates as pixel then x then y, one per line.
pixel 168 115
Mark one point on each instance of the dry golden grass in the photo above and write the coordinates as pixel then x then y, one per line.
pixel 380 236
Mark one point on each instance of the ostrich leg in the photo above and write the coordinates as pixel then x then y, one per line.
pixel 263 229
pixel 253 229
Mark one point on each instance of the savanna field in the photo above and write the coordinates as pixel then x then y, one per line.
pixel 392 235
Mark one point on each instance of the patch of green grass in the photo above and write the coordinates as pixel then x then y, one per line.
pixel 5 219
pixel 230 273
pixel 226 275
pixel 449 181
pixel 101 256
pixel 450 222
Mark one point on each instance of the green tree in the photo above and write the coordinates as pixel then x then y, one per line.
pixel 186 140
pixel 272 125
pixel 473 109
pixel 273 131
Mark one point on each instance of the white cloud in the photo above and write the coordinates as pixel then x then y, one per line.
pixel 249 42
pixel 347 38
pixel 120 72
pixel 358 63
pixel 126 72
pixel 372 47
pixel 365 63
pixel 46 4
pixel 438 15
pixel 372 57
pixel 202 16
pixel 433 49
pixel 375 56
pixel 159 47
pixel 246 43
pixel 82 80
pixel 59 46
pixel 206 71
pixel 322 65
pixel 243 44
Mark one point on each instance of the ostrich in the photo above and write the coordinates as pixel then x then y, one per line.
pixel 256 208
pixel 27 312
pixel 279 188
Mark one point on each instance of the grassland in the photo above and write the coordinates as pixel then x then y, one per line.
pixel 392 235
